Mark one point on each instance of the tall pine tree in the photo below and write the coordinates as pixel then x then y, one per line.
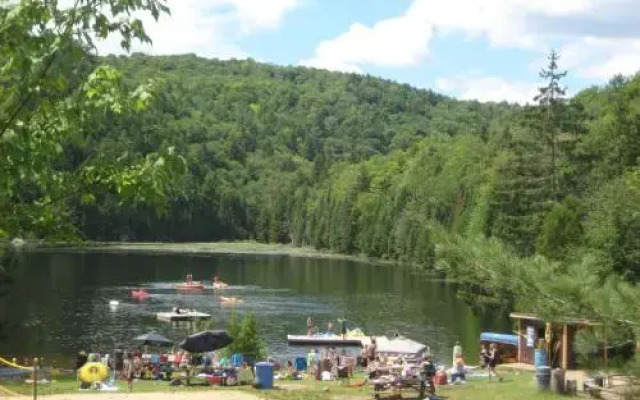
pixel 551 102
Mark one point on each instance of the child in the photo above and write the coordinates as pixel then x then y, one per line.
pixel 484 356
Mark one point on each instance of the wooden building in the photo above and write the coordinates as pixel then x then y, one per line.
pixel 557 338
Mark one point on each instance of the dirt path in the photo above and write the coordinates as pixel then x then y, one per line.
pixel 187 395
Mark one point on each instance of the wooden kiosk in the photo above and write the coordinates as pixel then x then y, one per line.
pixel 558 337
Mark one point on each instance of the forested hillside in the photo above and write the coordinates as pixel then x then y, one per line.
pixel 261 141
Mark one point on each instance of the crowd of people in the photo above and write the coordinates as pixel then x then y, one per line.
pixel 171 367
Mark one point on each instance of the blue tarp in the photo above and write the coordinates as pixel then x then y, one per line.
pixel 499 338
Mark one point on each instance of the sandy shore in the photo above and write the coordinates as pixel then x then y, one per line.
pixel 187 395
pixel 208 248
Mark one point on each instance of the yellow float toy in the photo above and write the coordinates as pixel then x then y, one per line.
pixel 93 372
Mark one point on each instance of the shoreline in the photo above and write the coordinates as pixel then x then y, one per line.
pixel 243 247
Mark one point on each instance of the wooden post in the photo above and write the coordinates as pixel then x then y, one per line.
pixel 606 352
pixel 35 378
pixel 565 347
pixel 520 349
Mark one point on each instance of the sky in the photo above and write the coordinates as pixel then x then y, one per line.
pixel 489 50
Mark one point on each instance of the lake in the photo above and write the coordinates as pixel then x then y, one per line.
pixel 59 302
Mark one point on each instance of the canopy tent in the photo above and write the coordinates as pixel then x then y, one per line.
pixel 499 338
pixel 153 339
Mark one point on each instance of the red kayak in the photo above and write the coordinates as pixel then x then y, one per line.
pixel 140 294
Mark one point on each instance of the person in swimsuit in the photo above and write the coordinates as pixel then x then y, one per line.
pixel 128 371
pixel 310 326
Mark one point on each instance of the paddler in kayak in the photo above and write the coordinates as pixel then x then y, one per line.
pixel 217 283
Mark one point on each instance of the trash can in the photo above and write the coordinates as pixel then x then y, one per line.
pixel 557 381
pixel 572 387
pixel 540 358
pixel 264 375
pixel 543 376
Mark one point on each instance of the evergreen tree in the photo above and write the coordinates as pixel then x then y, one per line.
pixel 550 98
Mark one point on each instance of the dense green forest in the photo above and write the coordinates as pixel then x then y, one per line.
pixel 534 207
pixel 264 143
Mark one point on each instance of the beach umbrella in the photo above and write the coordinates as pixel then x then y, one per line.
pixel 153 339
pixel 93 372
pixel 206 341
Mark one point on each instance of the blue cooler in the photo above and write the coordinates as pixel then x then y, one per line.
pixel 264 375
pixel 540 358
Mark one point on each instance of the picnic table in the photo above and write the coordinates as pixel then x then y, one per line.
pixel 392 385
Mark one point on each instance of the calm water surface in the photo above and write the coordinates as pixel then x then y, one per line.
pixel 59 302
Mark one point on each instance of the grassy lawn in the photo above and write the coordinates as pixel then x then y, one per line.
pixel 514 387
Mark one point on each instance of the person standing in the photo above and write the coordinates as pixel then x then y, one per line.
pixel 484 356
pixel 372 350
pixel 128 371
pixel 457 352
pixel 310 326
pixel 344 328
pixel 330 327
pixel 429 371
pixel 81 360
pixel 494 358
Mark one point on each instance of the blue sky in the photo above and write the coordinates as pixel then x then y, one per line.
pixel 490 50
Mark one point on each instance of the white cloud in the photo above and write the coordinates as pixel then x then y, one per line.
pixel 488 88
pixel 601 58
pixel 532 25
pixel 209 28
pixel 395 42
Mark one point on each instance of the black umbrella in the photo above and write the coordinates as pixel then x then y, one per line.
pixel 206 341
pixel 153 339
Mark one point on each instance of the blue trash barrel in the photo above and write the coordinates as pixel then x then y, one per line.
pixel 264 375
pixel 543 376
pixel 540 358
